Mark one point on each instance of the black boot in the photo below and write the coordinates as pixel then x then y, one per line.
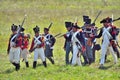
pixel 34 64
pixel 14 64
pixel 27 64
pixel 51 60
pixel 105 58
pixel 17 67
pixel 44 63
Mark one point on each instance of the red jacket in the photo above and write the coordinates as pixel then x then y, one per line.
pixel 25 43
pixel 17 41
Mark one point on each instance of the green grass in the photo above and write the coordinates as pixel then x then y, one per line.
pixel 41 13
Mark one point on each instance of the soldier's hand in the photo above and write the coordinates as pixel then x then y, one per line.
pixel 91 35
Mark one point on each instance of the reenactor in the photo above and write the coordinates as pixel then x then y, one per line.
pixel 14 45
pixel 68 44
pixel 49 43
pixel 37 46
pixel 88 40
pixel 78 45
pixel 114 42
pixel 24 49
pixel 108 35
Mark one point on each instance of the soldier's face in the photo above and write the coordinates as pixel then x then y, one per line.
pixel 14 31
pixel 45 31
pixel 105 24
pixel 68 28
pixel 74 29
pixel 37 34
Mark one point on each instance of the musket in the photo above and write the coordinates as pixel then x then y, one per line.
pixel 57 34
pixel 76 21
pixel 116 19
pixel 19 29
pixel 97 17
pixel 23 21
pixel 50 25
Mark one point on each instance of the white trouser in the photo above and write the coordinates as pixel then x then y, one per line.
pixel 75 58
pixel 24 54
pixel 14 55
pixel 104 49
pixel 39 52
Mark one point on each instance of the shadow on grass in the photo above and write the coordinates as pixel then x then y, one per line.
pixel 8 71
pixel 106 67
pixel 40 65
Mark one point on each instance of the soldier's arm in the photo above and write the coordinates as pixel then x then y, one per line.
pixel 100 34
pixel 8 49
pixel 81 38
pixel 53 40
pixel 113 32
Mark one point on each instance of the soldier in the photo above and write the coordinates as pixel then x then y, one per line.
pixel 68 45
pixel 38 47
pixel 78 44
pixel 88 40
pixel 24 49
pixel 14 45
pixel 49 43
pixel 113 42
pixel 85 57
pixel 108 35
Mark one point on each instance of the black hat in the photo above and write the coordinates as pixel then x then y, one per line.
pixel 106 20
pixel 68 24
pixel 14 27
pixel 36 29
pixel 22 29
pixel 76 26
pixel 85 17
pixel 46 29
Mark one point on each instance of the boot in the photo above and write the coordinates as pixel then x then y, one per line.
pixel 34 64
pixel 14 64
pixel 27 64
pixel 17 66
pixel 51 60
pixel 44 63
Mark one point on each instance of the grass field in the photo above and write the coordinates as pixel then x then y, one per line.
pixel 41 13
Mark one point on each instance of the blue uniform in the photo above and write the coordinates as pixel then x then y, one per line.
pixel 68 46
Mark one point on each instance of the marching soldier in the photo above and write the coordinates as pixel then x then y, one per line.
pixel 113 42
pixel 108 35
pixel 49 43
pixel 68 45
pixel 78 45
pixel 88 40
pixel 14 45
pixel 38 47
pixel 24 49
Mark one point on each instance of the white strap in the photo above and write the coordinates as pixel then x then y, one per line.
pixel 106 31
pixel 13 37
pixel 36 41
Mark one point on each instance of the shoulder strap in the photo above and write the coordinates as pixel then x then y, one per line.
pixel 13 37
